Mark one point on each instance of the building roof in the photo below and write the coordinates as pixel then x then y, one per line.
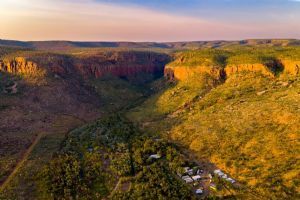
pixel 155 156
pixel 199 191
pixel 197 177
pixel 224 176
pixel 220 173
pixel 230 180
pixel 185 177
pixel 188 180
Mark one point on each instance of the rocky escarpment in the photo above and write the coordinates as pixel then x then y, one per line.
pixel 291 67
pixel 258 67
pixel 20 65
pixel 120 64
pixel 184 73
pixel 270 69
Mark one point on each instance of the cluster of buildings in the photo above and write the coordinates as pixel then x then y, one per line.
pixel 197 178
pixel 192 176
pixel 224 176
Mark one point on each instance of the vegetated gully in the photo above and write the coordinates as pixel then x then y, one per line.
pixel 206 166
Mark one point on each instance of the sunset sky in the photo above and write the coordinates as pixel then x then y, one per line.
pixel 148 20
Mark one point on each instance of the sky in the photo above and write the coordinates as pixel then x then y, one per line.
pixel 148 20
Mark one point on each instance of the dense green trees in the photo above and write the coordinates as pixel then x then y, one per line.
pixel 67 177
pixel 121 164
pixel 156 182
pixel 81 169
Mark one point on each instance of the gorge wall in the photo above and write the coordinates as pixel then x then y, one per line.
pixel 120 64
pixel 271 69
pixel 19 65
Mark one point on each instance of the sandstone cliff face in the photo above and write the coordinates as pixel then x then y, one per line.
pixel 184 73
pixel 291 67
pixel 261 68
pixel 269 69
pixel 121 64
pixel 19 65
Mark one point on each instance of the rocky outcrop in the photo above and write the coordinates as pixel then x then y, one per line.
pixel 183 73
pixel 291 67
pixel 19 65
pixel 270 69
pixel 261 68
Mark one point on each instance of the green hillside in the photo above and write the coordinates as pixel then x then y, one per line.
pixel 246 125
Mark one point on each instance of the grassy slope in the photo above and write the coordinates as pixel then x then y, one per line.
pixel 247 126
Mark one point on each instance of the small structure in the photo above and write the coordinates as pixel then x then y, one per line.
pixel 196 178
pixel 199 191
pixel 188 180
pixel 155 156
pixel 230 180
pixel 190 172
pixel 224 176
pixel 219 173
pixel 185 177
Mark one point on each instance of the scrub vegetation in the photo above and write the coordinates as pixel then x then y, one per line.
pixel 87 125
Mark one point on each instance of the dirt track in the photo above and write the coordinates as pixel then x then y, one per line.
pixel 21 162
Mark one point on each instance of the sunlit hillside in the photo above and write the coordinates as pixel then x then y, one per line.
pixel 244 122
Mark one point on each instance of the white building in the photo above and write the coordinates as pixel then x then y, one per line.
pixel 199 191
pixel 188 180
pixel 230 180
pixel 219 173
pixel 225 176
pixel 190 172
pixel 196 178
pixel 155 156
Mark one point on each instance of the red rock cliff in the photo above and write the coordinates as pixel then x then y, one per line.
pixel 121 64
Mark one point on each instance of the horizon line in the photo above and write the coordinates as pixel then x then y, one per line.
pixel 131 41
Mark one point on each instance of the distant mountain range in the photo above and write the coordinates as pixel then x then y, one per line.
pixel 64 45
